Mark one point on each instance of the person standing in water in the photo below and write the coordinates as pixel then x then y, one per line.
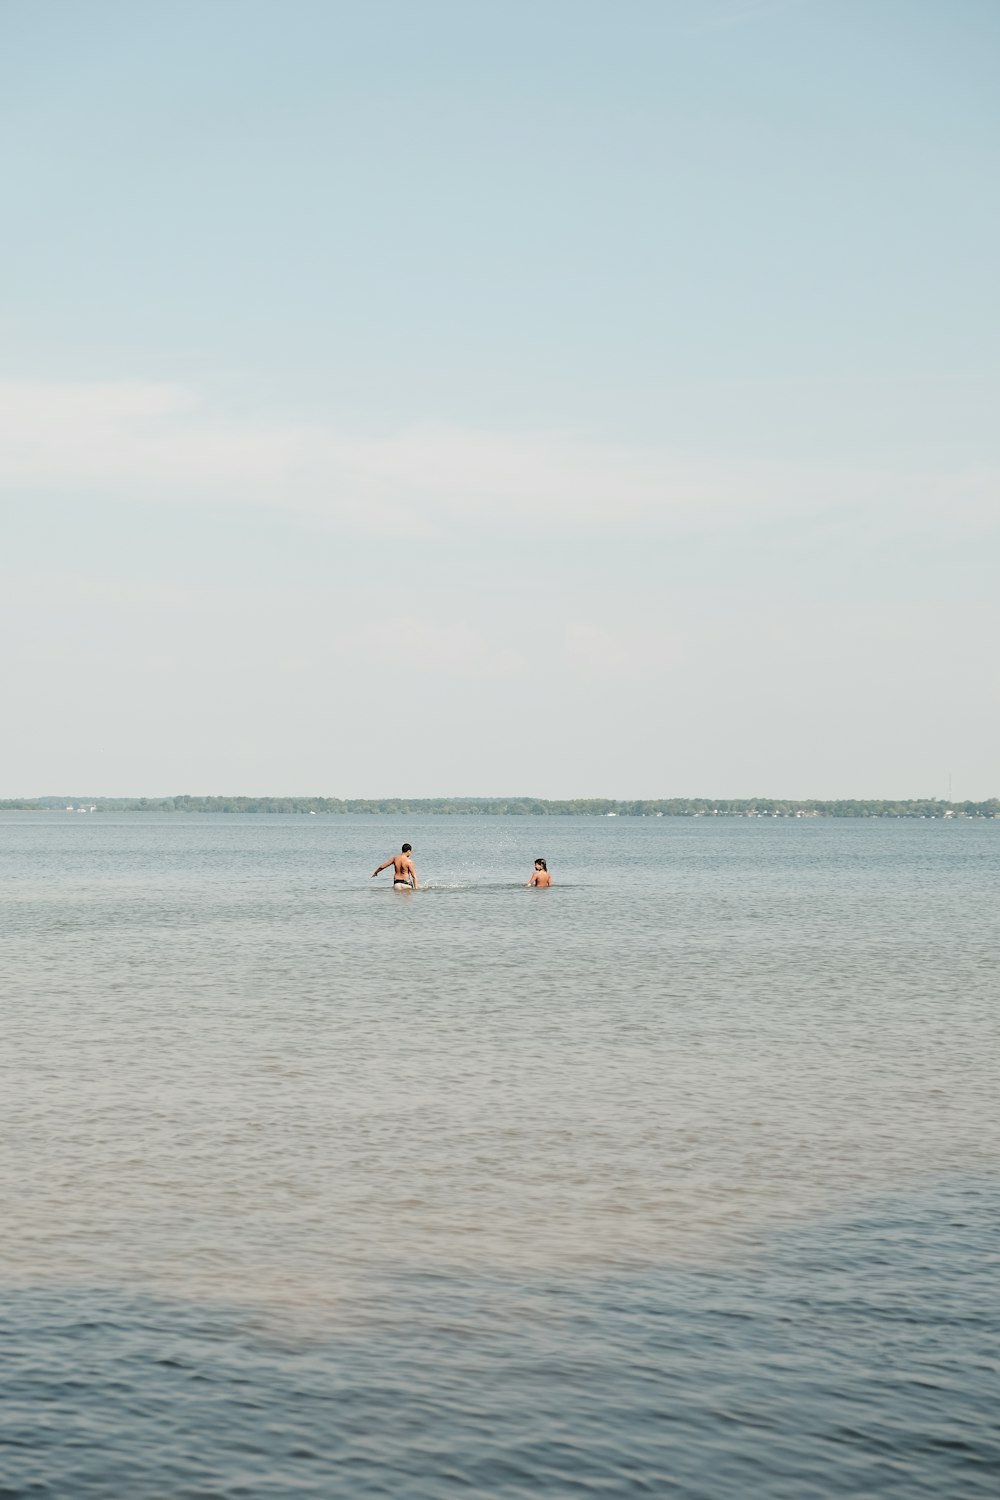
pixel 541 877
pixel 404 876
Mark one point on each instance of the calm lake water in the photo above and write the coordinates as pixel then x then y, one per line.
pixel 680 1178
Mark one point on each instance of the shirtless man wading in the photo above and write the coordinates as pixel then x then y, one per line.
pixel 404 876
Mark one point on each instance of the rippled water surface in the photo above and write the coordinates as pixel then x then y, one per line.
pixel 678 1178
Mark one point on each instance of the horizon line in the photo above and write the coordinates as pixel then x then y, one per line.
pixel 394 803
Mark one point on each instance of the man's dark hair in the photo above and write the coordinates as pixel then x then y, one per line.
pixel 407 848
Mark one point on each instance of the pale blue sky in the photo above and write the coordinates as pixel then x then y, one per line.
pixel 562 397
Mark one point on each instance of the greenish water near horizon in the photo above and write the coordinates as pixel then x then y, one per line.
pixel 681 1177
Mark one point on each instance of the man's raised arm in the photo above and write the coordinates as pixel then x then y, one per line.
pixel 381 868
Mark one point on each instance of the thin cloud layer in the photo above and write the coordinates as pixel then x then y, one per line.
pixel 148 442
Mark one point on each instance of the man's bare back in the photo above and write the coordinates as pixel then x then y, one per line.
pixel 404 875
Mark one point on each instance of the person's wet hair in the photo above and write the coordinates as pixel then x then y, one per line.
pixel 407 848
pixel 541 862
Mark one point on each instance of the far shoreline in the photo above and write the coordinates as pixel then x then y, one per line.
pixel 595 807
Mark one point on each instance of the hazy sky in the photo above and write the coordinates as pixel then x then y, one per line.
pixel 485 396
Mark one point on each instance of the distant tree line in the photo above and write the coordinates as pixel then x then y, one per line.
pixel 672 807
